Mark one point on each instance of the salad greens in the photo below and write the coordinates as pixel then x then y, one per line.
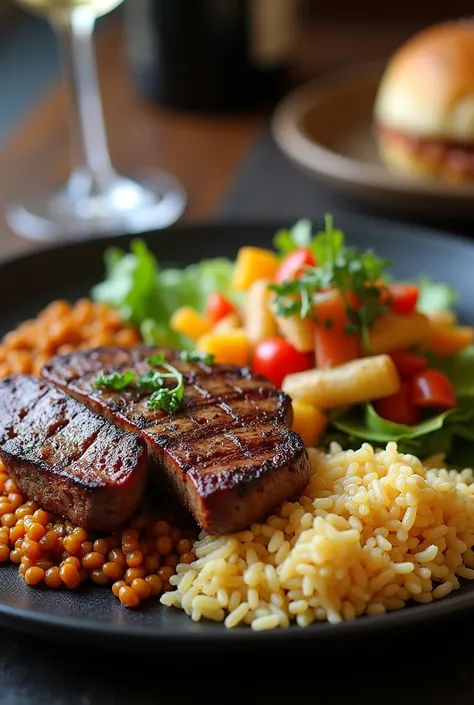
pixel 147 294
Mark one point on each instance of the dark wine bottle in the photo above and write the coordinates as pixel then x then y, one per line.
pixel 210 55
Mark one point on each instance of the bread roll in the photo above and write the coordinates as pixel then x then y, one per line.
pixel 424 110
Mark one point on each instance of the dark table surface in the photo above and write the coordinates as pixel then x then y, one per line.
pixel 425 666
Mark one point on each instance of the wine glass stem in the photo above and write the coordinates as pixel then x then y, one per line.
pixel 93 171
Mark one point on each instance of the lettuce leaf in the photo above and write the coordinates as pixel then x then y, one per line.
pixel 439 434
pixel 300 235
pixel 147 294
pixel 325 244
pixel 459 369
pixel 130 282
pixel 435 296
pixel 366 424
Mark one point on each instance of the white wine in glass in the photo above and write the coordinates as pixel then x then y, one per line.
pixel 95 200
pixel 46 7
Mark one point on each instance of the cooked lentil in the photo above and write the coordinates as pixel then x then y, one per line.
pixel 47 548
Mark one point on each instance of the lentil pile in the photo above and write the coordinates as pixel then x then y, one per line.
pixel 59 329
pixel 136 562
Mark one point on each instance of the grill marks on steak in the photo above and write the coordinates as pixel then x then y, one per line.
pixel 70 460
pixel 228 452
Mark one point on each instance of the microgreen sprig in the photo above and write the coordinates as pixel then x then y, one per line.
pixel 193 356
pixel 166 398
pixel 162 398
pixel 116 380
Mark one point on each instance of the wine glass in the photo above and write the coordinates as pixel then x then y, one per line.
pixel 95 200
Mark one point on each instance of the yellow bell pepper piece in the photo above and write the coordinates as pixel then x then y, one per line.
pixel 308 421
pixel 447 341
pixel 189 322
pixel 231 347
pixel 253 263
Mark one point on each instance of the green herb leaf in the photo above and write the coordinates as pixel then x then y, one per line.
pixel 166 398
pixel 156 360
pixel 193 356
pixel 328 243
pixel 162 397
pixel 150 381
pixel 116 380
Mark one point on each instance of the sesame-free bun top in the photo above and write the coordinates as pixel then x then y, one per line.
pixel 427 89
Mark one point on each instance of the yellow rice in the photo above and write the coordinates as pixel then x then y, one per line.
pixel 373 530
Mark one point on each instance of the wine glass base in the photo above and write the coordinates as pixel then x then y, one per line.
pixel 154 201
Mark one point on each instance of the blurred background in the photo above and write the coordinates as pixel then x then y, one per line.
pixel 331 34
pixel 179 94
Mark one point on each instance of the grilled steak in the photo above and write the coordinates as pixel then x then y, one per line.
pixel 228 452
pixel 70 460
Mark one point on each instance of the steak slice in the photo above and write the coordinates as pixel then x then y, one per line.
pixel 228 452
pixel 67 458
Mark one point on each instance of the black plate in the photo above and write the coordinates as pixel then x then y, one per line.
pixel 94 615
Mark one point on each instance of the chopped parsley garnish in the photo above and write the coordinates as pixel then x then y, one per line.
pixel 353 273
pixel 166 398
pixel 192 356
pixel 156 360
pixel 162 398
pixel 150 381
pixel 116 380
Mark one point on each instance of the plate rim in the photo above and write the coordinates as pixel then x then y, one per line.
pixel 309 154
pixel 366 625
pixel 32 621
pixel 441 234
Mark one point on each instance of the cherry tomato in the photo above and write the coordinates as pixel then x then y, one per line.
pixel 408 363
pixel 218 306
pixel 403 298
pixel 275 358
pixel 432 389
pixel 399 407
pixel 292 267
